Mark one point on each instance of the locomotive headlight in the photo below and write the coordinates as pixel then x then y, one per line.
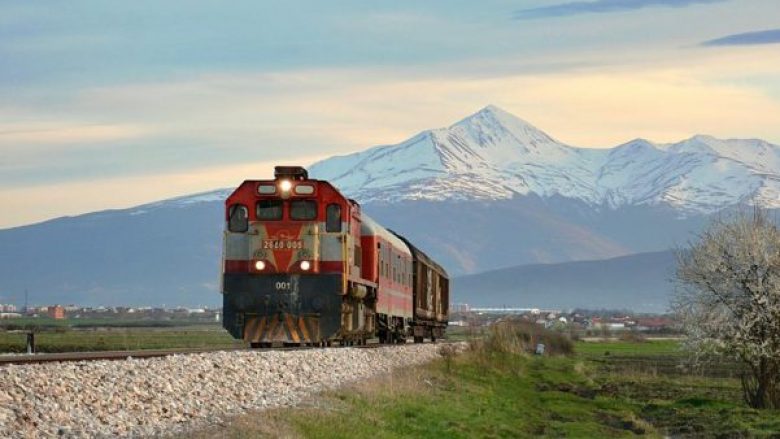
pixel 285 185
pixel 260 265
pixel 305 265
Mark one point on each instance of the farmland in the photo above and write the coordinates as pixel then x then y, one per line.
pixel 109 338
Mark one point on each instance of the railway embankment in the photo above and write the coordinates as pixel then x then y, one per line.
pixel 159 396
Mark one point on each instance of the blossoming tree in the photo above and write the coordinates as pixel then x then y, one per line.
pixel 729 300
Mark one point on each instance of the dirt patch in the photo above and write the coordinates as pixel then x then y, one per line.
pixel 619 423
pixel 581 391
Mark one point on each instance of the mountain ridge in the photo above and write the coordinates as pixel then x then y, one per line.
pixel 641 282
pixel 494 155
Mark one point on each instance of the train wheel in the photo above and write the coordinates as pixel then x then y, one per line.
pixel 418 339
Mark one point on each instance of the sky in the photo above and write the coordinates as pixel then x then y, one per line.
pixel 113 104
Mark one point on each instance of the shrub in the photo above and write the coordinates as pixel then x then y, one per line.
pixel 632 336
pixel 522 338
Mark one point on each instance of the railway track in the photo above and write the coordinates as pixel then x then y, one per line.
pixel 148 353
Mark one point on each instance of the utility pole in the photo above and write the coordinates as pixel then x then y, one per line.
pixel 31 333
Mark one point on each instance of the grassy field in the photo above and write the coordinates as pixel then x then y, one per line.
pixel 495 393
pixel 103 339
pixel 647 348
pixel 45 323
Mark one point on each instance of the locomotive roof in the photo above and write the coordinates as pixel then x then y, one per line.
pixel 370 227
pixel 422 257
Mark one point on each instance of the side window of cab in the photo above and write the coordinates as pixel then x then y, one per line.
pixel 238 218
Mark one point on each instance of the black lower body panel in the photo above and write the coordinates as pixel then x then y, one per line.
pixel 282 308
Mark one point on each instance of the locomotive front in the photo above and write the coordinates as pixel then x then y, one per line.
pixel 287 255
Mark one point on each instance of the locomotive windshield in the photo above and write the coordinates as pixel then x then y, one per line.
pixel 303 209
pixel 269 210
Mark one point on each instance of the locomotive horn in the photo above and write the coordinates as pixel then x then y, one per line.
pixel 291 172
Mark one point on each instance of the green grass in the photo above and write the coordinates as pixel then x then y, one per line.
pixel 645 348
pixel 462 333
pixel 77 340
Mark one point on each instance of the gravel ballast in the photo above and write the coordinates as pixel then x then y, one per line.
pixel 143 397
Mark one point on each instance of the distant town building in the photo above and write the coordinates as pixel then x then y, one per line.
pixel 506 311
pixel 459 307
pixel 7 308
pixel 56 312
pixel 654 323
pixel 9 315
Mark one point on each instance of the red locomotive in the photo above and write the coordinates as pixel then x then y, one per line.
pixel 303 265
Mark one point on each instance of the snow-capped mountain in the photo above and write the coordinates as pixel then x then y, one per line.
pixel 494 155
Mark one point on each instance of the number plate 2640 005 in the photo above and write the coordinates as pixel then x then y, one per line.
pixel 282 244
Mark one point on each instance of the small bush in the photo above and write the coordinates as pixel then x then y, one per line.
pixel 523 337
pixel 557 344
pixel 632 336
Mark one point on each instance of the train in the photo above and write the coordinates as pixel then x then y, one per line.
pixel 302 264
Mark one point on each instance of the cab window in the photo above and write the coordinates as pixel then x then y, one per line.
pixel 238 218
pixel 333 218
pixel 303 209
pixel 269 210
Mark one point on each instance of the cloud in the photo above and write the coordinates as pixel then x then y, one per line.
pixel 771 36
pixel 61 133
pixel 236 116
pixel 600 6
